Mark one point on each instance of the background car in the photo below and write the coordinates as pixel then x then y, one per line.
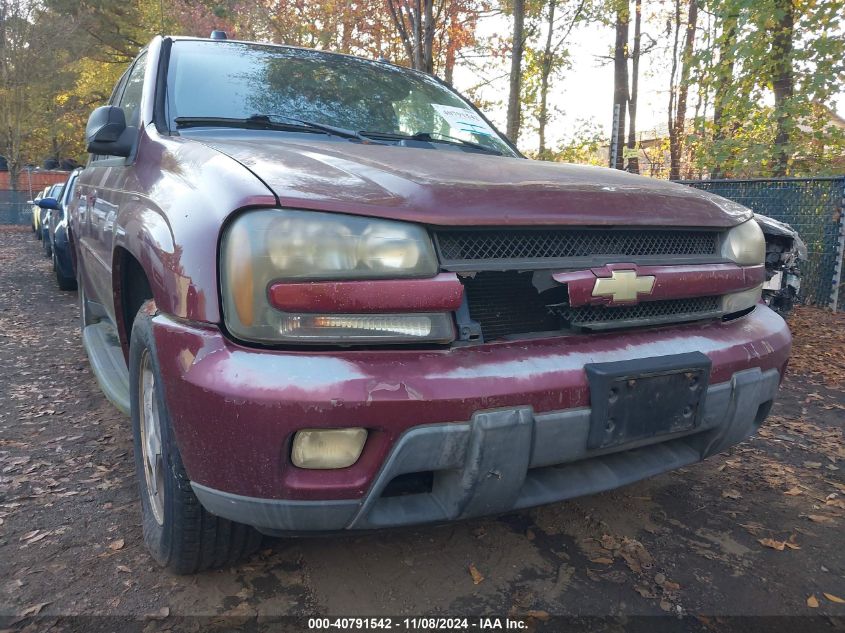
pixel 36 212
pixel 55 193
pixel 785 252
pixel 58 237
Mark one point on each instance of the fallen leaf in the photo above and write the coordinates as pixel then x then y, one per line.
pixel 794 491
pixel 162 613
pixel 813 465
pixel 116 545
pixel 731 494
pixel 813 602
pixel 819 518
pixel 124 569
pixel 791 545
pixel 833 598
pixel 767 542
pixel 537 615
pixel 671 586
pixel 602 561
pixel 33 610
pixel 609 542
pixel 477 576
pixel 836 503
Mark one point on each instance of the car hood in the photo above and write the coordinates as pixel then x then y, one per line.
pixel 454 188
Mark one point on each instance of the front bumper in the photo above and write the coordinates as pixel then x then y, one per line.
pixel 505 460
pixel 516 409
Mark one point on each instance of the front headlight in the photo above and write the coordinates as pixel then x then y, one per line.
pixel 745 244
pixel 265 246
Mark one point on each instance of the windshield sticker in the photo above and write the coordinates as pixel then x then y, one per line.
pixel 463 120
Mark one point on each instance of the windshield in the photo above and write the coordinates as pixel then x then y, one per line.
pixel 236 80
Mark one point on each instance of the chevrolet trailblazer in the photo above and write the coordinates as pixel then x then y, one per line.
pixel 332 296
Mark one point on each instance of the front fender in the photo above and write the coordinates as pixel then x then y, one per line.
pixel 178 196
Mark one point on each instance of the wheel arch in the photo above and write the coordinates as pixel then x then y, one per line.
pixel 131 288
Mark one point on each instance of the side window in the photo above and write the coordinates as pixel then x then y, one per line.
pixel 130 100
pixel 118 88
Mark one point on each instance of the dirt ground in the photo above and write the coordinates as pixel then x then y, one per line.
pixel 756 531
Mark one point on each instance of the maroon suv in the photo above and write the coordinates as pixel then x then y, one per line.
pixel 333 297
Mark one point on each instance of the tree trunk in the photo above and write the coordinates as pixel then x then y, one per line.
pixel 676 136
pixel 634 161
pixel 724 79
pixel 783 83
pixel 428 37
pixel 518 44
pixel 620 84
pixel 415 25
pixel 545 73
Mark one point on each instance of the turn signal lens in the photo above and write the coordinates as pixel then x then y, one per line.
pixel 738 301
pixel 327 449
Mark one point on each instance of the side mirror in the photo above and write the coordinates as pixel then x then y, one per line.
pixel 49 203
pixel 106 132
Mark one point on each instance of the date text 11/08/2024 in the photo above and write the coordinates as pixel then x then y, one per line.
pixel 417 624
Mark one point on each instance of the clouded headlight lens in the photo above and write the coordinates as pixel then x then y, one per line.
pixel 745 244
pixel 261 247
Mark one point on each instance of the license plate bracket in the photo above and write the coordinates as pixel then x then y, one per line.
pixel 633 400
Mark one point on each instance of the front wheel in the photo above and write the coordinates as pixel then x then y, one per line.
pixel 179 533
pixel 64 283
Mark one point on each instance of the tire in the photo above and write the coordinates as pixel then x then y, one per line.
pixel 64 283
pixel 45 243
pixel 178 532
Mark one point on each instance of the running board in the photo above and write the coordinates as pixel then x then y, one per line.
pixel 106 358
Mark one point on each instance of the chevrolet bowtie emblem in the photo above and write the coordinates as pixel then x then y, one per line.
pixel 623 286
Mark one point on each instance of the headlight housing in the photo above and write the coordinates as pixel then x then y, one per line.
pixel 264 246
pixel 745 244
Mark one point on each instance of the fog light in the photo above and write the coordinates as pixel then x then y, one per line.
pixel 327 448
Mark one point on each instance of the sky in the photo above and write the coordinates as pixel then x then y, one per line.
pixel 585 91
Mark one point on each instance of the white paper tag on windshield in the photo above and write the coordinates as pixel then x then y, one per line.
pixel 463 120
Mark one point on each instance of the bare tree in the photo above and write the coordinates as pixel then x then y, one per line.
pixel 620 83
pixel 414 21
pixel 679 93
pixel 634 161
pixel 517 47
pixel 547 62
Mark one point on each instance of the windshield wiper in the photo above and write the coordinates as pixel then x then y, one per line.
pixel 453 140
pixel 430 138
pixel 266 122
pixel 323 127
pixel 249 123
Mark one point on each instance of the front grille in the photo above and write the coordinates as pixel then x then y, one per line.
pixel 507 304
pixel 531 245
pixel 606 317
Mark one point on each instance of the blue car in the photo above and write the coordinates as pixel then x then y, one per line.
pixel 54 194
pixel 57 235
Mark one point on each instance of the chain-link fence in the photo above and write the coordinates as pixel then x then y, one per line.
pixel 13 207
pixel 814 208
